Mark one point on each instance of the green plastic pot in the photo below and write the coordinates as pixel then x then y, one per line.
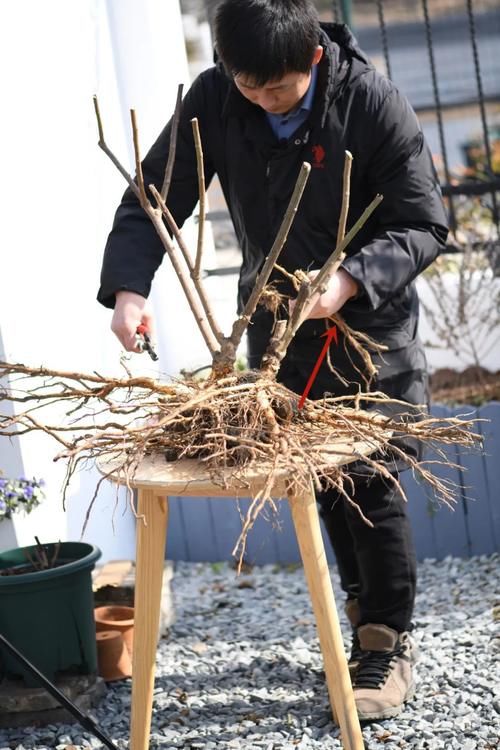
pixel 48 615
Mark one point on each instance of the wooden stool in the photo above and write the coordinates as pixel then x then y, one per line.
pixel 155 480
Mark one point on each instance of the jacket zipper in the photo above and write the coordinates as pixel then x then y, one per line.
pixel 267 190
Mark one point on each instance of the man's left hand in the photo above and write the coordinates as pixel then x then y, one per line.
pixel 341 288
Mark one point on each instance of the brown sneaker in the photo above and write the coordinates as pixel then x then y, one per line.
pixel 383 680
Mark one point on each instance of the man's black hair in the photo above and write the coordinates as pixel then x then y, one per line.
pixel 265 39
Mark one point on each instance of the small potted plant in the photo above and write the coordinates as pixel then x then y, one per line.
pixel 46 594
pixel 19 495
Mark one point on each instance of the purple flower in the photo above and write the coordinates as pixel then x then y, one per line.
pixel 19 494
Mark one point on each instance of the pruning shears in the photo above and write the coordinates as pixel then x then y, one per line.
pixel 144 341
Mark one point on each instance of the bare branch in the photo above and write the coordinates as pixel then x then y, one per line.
pixel 191 294
pixel 310 289
pixel 333 262
pixel 200 289
pixel 201 192
pixel 155 214
pixel 173 145
pixel 102 144
pixel 138 166
pixel 346 195
pixel 241 323
pixel 172 224
pixel 99 121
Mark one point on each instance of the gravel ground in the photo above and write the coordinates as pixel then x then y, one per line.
pixel 242 668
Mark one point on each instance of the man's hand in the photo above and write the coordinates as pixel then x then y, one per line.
pixel 131 310
pixel 341 288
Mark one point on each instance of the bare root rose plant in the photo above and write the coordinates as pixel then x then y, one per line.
pixel 232 420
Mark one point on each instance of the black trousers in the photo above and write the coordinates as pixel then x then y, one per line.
pixel 377 565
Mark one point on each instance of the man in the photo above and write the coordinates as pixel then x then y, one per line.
pixel 287 90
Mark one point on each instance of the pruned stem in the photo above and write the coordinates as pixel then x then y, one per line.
pixel 155 214
pixel 346 195
pixel 99 120
pixel 138 166
pixel 201 191
pixel 172 224
pixel 335 259
pixel 308 291
pixel 102 145
pixel 185 254
pixel 241 323
pixel 173 144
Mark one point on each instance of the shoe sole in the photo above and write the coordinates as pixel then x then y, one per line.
pixel 389 712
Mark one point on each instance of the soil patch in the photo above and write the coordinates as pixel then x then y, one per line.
pixel 474 385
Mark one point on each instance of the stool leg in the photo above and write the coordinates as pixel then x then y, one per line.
pixel 150 555
pixel 307 527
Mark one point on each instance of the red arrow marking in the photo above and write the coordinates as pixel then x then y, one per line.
pixel 330 334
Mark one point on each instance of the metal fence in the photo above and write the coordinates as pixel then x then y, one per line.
pixel 444 55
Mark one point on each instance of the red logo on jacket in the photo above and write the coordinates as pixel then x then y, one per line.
pixel 318 156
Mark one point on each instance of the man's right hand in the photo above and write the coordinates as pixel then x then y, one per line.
pixel 131 310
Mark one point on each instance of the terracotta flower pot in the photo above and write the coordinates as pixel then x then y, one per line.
pixel 113 658
pixel 117 618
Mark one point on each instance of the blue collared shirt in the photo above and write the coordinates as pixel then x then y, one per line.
pixel 284 125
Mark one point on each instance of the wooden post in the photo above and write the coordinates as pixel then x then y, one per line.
pixel 307 527
pixel 150 555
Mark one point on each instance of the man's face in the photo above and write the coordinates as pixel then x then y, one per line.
pixel 277 97
pixel 281 96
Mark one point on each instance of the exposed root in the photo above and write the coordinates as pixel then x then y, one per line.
pixel 358 341
pixel 230 425
pixel 273 300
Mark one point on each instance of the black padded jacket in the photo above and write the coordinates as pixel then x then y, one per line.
pixel 355 108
